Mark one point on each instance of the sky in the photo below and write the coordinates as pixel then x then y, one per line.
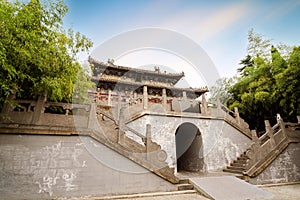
pixel 220 28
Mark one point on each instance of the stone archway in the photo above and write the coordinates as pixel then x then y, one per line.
pixel 189 148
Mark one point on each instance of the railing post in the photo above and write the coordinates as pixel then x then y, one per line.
pixel 254 136
pixel 148 141
pixel 204 105
pixel 92 119
pixel 7 107
pixel 134 95
pixel 39 109
pixel 298 119
pixel 145 97
pixel 164 97
pixel 254 147
pixel 184 97
pixel 109 98
pixel 237 115
pixel 270 133
pixel 120 138
pixel 280 122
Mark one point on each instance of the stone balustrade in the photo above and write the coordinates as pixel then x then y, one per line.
pixel 44 113
pixel 266 147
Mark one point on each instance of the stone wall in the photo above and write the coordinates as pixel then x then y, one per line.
pixel 285 168
pixel 221 142
pixel 45 166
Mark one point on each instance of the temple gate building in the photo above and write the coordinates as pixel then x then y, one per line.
pixel 139 130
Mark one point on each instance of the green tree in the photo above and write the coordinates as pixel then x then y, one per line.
pixel 288 86
pixel 219 92
pixel 268 83
pixel 37 54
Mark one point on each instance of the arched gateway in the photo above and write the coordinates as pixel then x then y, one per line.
pixel 189 149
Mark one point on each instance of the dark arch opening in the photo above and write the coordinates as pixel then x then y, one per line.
pixel 189 149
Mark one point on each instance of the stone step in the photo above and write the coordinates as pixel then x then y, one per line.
pixel 236 168
pixel 233 171
pixel 242 162
pixel 238 164
pixel 242 158
pixel 182 181
pixel 185 186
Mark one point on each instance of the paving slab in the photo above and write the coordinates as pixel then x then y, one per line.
pixel 228 188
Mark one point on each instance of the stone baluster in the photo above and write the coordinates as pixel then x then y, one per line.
pixel 254 151
pixel 40 108
pixel 7 107
pixel 204 105
pixel 148 141
pixel 145 97
pixel 184 97
pixel 281 124
pixel 134 95
pixel 298 119
pixel 164 97
pixel 237 115
pixel 109 98
pixel 120 138
pixel 270 133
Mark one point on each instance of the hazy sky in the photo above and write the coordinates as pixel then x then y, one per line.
pixel 219 27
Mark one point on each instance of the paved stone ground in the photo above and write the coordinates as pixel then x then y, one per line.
pixel 228 188
pixel 285 192
pixel 174 197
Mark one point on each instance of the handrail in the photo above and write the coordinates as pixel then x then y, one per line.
pixel 126 128
pixel 99 111
pixel 266 148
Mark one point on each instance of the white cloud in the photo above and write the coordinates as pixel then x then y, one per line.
pixel 203 26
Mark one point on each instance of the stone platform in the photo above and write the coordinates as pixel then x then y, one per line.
pixel 228 187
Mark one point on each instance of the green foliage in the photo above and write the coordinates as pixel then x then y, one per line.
pixel 267 85
pixel 219 92
pixel 36 53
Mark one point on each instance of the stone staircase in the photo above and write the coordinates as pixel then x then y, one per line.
pixel 238 166
pixel 148 154
pixel 264 149
pixel 184 184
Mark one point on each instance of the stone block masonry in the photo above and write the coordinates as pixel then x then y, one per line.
pixel 43 167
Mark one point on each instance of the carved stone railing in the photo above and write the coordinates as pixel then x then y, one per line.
pixel 43 113
pixel 36 117
pixel 231 117
pixel 266 148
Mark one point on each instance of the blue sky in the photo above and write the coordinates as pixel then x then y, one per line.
pixel 219 27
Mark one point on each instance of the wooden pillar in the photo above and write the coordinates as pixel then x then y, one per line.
pixel 145 97
pixel 164 97
pixel 109 98
pixel 270 133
